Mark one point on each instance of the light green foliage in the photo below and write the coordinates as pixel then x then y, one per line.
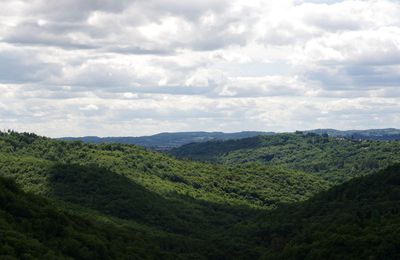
pixel 252 184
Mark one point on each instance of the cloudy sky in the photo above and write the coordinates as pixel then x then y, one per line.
pixel 136 67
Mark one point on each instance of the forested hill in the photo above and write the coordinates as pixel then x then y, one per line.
pixel 386 134
pixel 250 184
pixel 165 141
pixel 33 228
pixel 175 209
pixel 333 158
pixel 85 208
pixel 359 219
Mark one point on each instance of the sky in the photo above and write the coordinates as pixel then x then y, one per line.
pixel 139 67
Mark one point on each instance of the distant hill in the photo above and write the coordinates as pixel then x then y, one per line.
pixel 165 141
pixel 387 134
pixel 333 158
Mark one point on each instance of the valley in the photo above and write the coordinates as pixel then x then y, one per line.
pixel 230 201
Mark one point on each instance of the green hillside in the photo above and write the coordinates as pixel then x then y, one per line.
pixel 357 220
pixel 32 228
pixel 334 159
pixel 185 208
pixel 33 162
pixel 369 134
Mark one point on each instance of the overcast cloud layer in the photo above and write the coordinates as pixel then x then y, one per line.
pixel 135 67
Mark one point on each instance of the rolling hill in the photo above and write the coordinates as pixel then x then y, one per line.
pixel 333 158
pixel 33 228
pixel 386 134
pixel 165 141
pixel 184 208
pixel 119 201
pixel 359 219
pixel 154 171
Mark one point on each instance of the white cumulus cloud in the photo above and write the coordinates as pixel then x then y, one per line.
pixel 72 67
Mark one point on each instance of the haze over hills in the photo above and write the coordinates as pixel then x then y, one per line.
pixel 163 141
pixel 166 141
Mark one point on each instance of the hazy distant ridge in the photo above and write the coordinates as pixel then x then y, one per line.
pixel 170 140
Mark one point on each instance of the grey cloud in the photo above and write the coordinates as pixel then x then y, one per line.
pixel 137 50
pixel 355 77
pixel 286 33
pixel 65 24
pixel 175 114
pixel 333 18
pixel 25 67
pixel 49 92
pixel 30 33
pixel 218 40
pixel 261 87
pixel 333 23
pixel 76 10
pixel 191 10
pixel 103 62
pixel 375 76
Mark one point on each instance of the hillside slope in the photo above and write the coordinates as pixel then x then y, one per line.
pixel 357 220
pixel 164 141
pixel 185 208
pixel 246 185
pixel 334 159
pixel 33 228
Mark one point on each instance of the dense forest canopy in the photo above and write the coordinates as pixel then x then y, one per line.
pixel 335 159
pixel 66 200
pixel 158 172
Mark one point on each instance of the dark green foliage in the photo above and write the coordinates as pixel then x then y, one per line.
pixel 30 162
pixel 151 192
pixel 114 201
pixel 31 228
pixel 334 159
pixel 358 220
